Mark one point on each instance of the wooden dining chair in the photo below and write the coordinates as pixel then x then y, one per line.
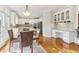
pixel 12 39
pixel 27 40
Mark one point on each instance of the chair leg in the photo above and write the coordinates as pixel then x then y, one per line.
pixel 31 47
pixel 37 41
pixel 10 46
pixel 21 48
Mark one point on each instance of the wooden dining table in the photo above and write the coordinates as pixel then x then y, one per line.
pixel 26 29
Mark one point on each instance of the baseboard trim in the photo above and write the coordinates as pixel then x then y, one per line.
pixel 43 49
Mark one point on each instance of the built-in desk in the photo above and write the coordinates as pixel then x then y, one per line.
pixel 67 35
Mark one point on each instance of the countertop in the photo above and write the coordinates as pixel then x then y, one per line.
pixel 68 30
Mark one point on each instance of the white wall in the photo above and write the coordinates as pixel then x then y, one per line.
pixel 47 24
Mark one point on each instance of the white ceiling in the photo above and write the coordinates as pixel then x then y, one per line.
pixel 36 10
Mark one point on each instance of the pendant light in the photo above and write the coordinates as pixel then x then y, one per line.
pixel 26 12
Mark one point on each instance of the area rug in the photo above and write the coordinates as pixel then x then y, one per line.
pixel 36 48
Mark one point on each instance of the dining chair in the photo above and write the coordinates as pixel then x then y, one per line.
pixel 12 39
pixel 27 40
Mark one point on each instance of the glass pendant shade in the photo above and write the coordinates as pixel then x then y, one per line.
pixel 27 13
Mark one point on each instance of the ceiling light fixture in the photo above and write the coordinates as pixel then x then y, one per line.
pixel 27 13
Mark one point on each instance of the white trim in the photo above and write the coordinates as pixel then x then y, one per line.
pixel 43 49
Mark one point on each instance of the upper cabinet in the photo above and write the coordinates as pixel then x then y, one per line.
pixel 14 19
pixel 55 17
pixel 62 16
pixel 67 14
pixel 58 17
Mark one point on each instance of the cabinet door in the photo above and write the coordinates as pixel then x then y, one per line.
pixel 16 19
pixel 58 16
pixel 66 36
pixel 67 14
pixel 62 16
pixel 55 16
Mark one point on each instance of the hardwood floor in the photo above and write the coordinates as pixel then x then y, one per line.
pixel 51 46
pixel 5 48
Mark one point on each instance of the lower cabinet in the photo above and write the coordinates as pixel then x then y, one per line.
pixel 67 36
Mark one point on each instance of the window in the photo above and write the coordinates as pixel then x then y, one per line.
pixel 3 27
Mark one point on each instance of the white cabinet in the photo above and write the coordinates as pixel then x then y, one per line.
pixel 67 36
pixel 67 14
pixel 65 24
pixel 62 16
pixel 22 21
pixel 63 20
pixel 14 19
pixel 58 18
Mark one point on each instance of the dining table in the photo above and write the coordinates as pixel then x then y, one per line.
pixel 25 29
